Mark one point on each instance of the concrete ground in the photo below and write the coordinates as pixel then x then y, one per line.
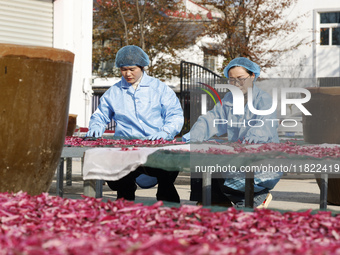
pixel 292 193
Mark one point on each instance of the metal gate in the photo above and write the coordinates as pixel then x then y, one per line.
pixel 97 93
pixel 192 76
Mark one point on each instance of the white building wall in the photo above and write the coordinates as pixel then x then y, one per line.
pixel 313 60
pixel 309 61
pixel 327 58
pixel 73 32
pixel 26 22
pixel 195 8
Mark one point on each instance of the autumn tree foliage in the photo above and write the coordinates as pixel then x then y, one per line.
pixel 160 27
pixel 256 29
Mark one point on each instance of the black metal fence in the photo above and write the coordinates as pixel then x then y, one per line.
pixel 97 93
pixel 192 76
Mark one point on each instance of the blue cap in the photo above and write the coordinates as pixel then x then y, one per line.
pixel 131 55
pixel 244 62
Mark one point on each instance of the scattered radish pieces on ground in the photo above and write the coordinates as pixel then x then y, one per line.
pixel 52 225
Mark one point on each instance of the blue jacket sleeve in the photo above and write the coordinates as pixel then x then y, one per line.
pixel 206 127
pixel 103 114
pixel 172 113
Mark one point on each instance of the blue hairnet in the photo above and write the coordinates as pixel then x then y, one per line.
pixel 244 62
pixel 131 55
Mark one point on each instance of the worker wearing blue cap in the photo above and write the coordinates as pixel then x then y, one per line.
pixel 142 107
pixel 241 73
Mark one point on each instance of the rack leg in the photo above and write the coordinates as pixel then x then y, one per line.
pixel 60 178
pixel 323 191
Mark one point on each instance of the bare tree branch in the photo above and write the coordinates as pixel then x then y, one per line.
pixel 124 23
pixel 141 16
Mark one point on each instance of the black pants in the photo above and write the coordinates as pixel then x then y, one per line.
pixel 166 190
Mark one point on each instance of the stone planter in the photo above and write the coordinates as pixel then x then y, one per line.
pixel 35 84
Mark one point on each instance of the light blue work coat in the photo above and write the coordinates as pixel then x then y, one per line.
pixel 151 108
pixel 204 129
pixel 237 126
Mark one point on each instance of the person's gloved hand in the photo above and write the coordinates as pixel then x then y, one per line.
pixel 186 137
pixel 251 139
pixel 157 136
pixel 256 135
pixel 95 131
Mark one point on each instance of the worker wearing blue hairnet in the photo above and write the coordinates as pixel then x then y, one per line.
pixel 242 73
pixel 142 107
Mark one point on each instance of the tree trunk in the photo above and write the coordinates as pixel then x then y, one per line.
pixel 141 19
pixel 124 23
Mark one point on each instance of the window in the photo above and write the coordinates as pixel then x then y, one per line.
pixel 209 62
pixel 210 51
pixel 330 28
pixel 330 17
pixel 336 36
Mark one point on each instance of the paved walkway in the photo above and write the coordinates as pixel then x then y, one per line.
pixel 293 192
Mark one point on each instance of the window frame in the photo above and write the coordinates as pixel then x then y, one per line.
pixel 330 26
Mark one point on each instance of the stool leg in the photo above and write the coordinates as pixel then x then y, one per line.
pixel 89 185
pixel 90 188
pixel 323 191
pixel 206 189
pixel 60 178
pixel 99 188
pixel 249 190
pixel 68 171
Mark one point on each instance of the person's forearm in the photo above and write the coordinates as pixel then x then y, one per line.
pixel 98 119
pixel 173 125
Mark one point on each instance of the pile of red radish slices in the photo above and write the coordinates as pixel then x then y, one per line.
pixel 73 141
pixel 52 225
